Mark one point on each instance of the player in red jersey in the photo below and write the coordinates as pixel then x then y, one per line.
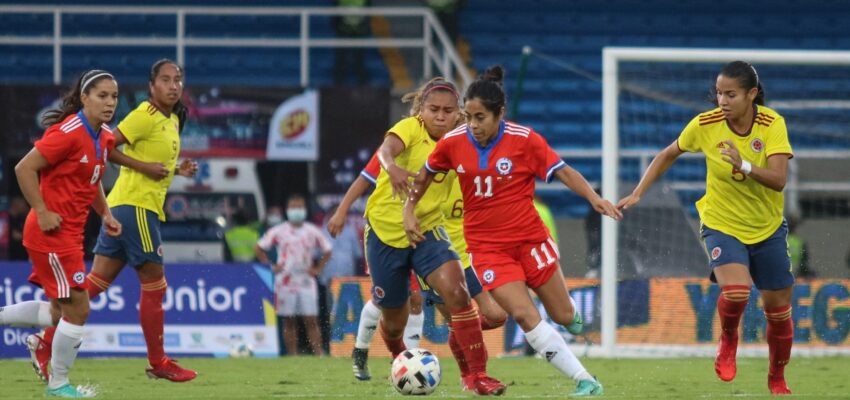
pixel 496 162
pixel 60 178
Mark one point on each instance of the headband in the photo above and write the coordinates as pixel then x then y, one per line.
pixel 756 74
pixel 441 86
pixel 90 80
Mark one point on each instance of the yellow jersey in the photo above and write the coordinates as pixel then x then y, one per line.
pixel 734 203
pixel 382 211
pixel 452 209
pixel 151 137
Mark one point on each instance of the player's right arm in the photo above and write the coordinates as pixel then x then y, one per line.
pixel 687 142
pixel 366 178
pixel 411 223
pixel 27 173
pixel 153 170
pixel 392 147
pixel 265 244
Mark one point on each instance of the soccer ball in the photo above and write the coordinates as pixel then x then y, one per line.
pixel 240 349
pixel 416 372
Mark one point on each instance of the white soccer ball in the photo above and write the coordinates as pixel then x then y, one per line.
pixel 240 349
pixel 416 372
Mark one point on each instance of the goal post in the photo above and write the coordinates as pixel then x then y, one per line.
pixel 648 96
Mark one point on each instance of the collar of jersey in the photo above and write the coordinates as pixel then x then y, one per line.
pixel 752 123
pixel 484 152
pixel 95 136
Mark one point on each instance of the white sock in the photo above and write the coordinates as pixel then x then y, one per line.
pixel 551 345
pixel 26 314
pixel 66 344
pixel 369 317
pixel 413 330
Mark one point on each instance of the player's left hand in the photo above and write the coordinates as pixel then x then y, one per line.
pixel 187 167
pixel 605 207
pixel 730 154
pixel 411 227
pixel 113 227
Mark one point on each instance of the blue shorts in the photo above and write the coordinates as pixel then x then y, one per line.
pixel 140 240
pixel 390 266
pixel 769 261
pixel 472 284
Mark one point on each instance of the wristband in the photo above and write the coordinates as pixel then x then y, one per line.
pixel 746 167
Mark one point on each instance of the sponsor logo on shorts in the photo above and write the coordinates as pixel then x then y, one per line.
pixel 715 253
pixel 379 292
pixel 489 276
pixel 504 166
pixel 79 277
pixel 757 145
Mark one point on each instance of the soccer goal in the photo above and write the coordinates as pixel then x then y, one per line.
pixel 655 298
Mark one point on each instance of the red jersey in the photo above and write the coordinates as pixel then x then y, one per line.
pixel 372 169
pixel 497 182
pixel 77 156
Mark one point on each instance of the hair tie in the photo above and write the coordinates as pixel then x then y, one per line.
pixel 441 86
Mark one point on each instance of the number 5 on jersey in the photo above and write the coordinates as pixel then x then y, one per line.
pixel 488 186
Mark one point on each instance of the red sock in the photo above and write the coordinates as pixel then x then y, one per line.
pixel 457 351
pixel 730 306
pixel 97 284
pixel 780 337
pixel 152 318
pixel 48 335
pixel 394 345
pixel 487 324
pixel 467 330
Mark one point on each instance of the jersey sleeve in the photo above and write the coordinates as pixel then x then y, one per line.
pixel 55 146
pixel 545 161
pixel 406 130
pixel 777 139
pixel 321 240
pixel 136 125
pixel 440 158
pixel 268 240
pixel 688 139
pixel 372 169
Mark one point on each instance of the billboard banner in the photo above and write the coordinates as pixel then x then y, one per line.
pixel 207 307
pixel 663 311
pixel 294 129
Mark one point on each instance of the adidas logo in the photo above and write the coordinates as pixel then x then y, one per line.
pixel 550 355
pixel 460 169
pixel 85 159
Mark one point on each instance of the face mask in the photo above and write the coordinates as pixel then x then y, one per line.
pixel 274 219
pixel 296 214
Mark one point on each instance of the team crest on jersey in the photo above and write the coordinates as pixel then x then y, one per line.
pixel 79 277
pixel 715 253
pixel 757 145
pixel 379 292
pixel 504 166
pixel 489 276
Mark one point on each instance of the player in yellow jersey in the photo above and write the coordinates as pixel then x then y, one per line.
pixel 746 153
pixel 391 256
pixel 150 135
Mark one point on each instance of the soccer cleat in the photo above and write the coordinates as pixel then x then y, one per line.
pixel 40 353
pixel 467 383
pixel 577 325
pixel 587 387
pixel 724 364
pixel 69 391
pixel 168 369
pixel 484 385
pixel 777 385
pixel 361 367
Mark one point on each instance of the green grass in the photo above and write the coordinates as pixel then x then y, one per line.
pixel 327 378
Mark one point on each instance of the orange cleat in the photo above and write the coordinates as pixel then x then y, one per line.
pixel 777 385
pixel 724 364
pixel 168 369
pixel 483 385
pixel 40 353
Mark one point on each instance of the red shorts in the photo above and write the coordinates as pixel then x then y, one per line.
pixel 58 273
pixel 532 263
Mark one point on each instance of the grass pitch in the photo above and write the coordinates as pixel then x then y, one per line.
pixel 529 378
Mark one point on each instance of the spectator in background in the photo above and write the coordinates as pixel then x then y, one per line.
pixel 241 238
pixel 296 291
pixel 447 13
pixel 593 232
pixel 351 61
pixel 18 210
pixel 799 251
pixel 347 251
